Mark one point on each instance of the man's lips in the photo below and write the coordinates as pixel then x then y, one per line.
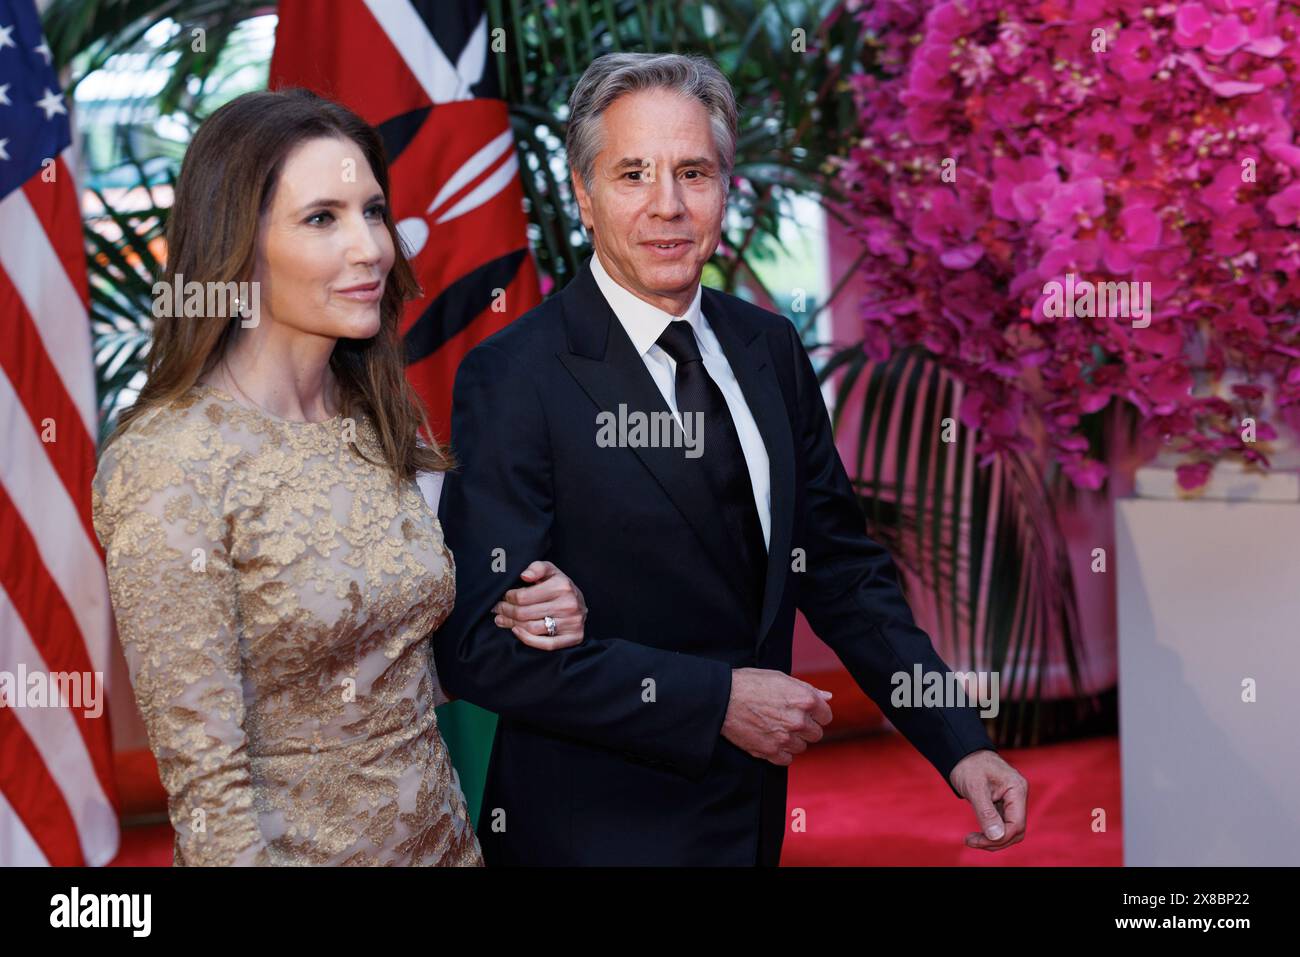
pixel 667 248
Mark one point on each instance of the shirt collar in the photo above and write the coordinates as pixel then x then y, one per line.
pixel 644 323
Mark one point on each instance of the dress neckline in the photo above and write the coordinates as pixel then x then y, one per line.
pixel 261 413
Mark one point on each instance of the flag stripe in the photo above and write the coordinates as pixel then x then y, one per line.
pixel 475 165
pixel 46 615
pixel 33 266
pixel 62 545
pixel 32 792
pixel 457 306
pixel 19 849
pixel 500 178
pixel 43 401
pixel 415 45
pixel 53 731
pixel 53 203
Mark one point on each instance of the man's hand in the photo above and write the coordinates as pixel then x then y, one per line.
pixel 772 715
pixel 999 795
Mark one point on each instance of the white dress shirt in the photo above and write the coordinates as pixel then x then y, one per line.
pixel 644 324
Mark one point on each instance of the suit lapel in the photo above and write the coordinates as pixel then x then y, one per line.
pixel 606 365
pixel 748 352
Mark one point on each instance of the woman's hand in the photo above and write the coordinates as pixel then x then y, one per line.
pixel 553 593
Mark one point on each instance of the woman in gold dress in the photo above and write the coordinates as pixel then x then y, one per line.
pixel 274 569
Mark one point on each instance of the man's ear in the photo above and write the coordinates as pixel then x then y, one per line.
pixel 583 198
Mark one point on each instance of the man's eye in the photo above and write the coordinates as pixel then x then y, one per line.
pixel 635 172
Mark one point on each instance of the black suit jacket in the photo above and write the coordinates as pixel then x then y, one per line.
pixel 609 752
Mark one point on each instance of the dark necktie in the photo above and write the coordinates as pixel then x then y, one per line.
pixel 723 460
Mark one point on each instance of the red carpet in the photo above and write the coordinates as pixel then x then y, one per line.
pixel 874 801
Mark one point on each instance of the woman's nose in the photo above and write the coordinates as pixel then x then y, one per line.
pixel 363 243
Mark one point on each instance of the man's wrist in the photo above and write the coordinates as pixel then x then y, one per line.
pixel 951 782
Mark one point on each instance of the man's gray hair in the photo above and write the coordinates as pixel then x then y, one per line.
pixel 616 74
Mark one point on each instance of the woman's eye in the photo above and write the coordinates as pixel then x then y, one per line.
pixel 375 210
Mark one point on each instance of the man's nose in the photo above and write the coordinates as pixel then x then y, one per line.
pixel 666 197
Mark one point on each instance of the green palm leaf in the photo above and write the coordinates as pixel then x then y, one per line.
pixel 122 270
pixel 980 545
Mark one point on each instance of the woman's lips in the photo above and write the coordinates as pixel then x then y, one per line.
pixel 368 293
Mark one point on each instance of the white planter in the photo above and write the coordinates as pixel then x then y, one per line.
pixel 1208 598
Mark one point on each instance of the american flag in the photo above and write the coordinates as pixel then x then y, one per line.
pixel 58 803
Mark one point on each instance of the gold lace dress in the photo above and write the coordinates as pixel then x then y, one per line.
pixel 274 596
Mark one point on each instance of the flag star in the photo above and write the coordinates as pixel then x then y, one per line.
pixel 51 103
pixel 5 39
pixel 4 154
pixel 4 95
pixel 44 50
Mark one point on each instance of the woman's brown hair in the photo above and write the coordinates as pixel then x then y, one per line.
pixel 226 183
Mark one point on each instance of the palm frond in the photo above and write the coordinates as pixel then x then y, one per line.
pixel 96 30
pixel 122 268
pixel 980 548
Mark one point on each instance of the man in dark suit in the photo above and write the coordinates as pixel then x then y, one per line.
pixel 667 446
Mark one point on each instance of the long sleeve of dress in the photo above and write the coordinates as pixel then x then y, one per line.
pixel 157 513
